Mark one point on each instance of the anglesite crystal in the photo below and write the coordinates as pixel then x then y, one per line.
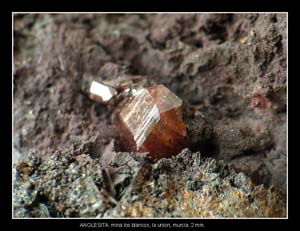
pixel 101 93
pixel 151 121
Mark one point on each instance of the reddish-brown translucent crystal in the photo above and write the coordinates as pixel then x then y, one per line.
pixel 151 121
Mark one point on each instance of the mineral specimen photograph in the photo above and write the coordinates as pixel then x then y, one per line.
pixel 149 115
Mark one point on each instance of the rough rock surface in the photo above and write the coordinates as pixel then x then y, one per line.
pixel 234 92
pixel 127 185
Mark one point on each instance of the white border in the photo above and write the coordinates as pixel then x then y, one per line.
pixel 157 218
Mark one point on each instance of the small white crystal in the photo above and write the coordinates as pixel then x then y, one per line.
pixel 101 92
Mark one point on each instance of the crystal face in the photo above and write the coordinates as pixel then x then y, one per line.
pixel 151 121
pixel 101 92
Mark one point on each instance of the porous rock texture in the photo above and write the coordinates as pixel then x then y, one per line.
pixel 126 185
